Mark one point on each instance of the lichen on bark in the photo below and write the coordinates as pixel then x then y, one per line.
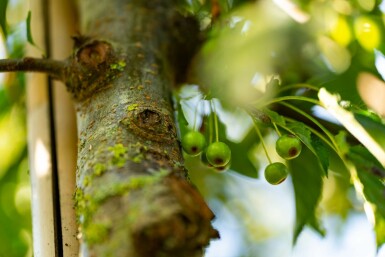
pixel 133 196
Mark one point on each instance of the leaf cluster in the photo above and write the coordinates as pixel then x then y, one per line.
pixel 298 74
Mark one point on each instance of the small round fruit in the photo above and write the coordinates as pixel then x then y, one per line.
pixel 223 169
pixel 193 143
pixel 217 169
pixel 276 173
pixel 288 147
pixel 218 154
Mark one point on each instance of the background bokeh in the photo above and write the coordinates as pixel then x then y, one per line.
pixel 15 190
pixel 254 218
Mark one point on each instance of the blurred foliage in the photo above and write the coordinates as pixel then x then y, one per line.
pixel 314 69
pixel 15 195
pixel 311 68
pixel 3 16
pixel 15 213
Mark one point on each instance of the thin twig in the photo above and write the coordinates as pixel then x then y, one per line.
pixel 28 64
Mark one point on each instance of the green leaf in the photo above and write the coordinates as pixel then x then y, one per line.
pixel 380 229
pixel 5 103
pixel 301 131
pixel 11 238
pixel 322 152
pixel 3 16
pixel 370 174
pixel 29 34
pixel 182 122
pixel 374 127
pixel 306 174
pixel 241 153
pixel 275 117
pixel 343 146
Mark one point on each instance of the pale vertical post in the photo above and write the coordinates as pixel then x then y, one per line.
pixel 39 148
pixel 63 18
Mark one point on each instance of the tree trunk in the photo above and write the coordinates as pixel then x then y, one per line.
pixel 133 195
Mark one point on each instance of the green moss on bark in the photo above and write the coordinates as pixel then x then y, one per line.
pixel 119 155
pixel 87 204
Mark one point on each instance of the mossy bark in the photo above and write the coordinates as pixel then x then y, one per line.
pixel 133 196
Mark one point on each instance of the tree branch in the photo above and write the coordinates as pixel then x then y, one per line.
pixel 52 67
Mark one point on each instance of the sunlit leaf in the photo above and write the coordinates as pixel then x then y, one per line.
pixel 307 181
pixel 380 230
pixel 3 16
pixel 343 146
pixel 331 103
pixel 370 174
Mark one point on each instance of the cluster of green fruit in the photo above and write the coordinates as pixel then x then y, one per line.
pixel 288 147
pixel 218 154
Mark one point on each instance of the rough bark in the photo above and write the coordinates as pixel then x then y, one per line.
pixel 133 196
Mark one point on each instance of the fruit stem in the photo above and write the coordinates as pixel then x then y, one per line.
pixel 294 98
pixel 327 132
pixel 276 129
pixel 262 141
pixel 215 121
pixel 299 86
